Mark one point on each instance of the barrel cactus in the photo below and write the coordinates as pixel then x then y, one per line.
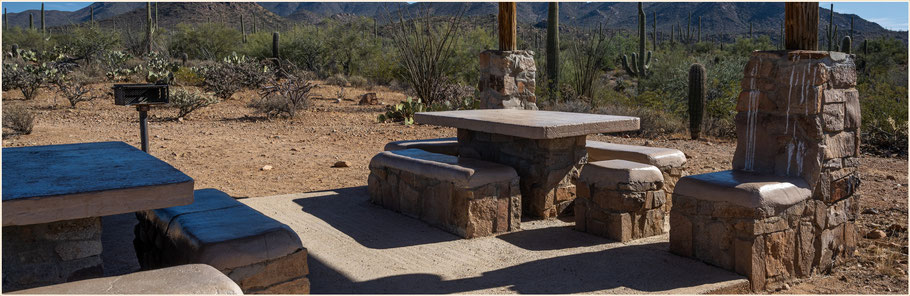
pixel 697 80
pixel 846 44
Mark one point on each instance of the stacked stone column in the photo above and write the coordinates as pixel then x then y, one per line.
pixel 507 80
pixel 798 117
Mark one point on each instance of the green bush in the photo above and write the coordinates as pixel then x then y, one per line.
pixel 882 86
pixel 88 43
pixel 188 76
pixel 403 111
pixel 187 101
pixel 206 41
pixel 26 39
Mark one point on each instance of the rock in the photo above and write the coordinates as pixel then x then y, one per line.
pixel 896 228
pixel 876 234
pixel 368 99
pixel 892 177
pixel 294 149
pixel 341 164
pixel 870 211
pixel 337 101
pixel 266 168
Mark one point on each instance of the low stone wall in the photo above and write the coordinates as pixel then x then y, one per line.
pixel 770 248
pixel 51 253
pixel 547 167
pixel 620 200
pixel 468 212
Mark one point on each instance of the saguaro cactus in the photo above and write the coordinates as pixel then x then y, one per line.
pixel 654 30
pixel 156 15
pixel 91 13
pixel 183 58
pixel 697 81
pixel 846 44
pixel 43 28
pixel 275 45
pixel 688 29
pixel 31 21
pixel 865 47
pixel 148 28
pixel 831 31
pixel 553 47
pixel 640 62
pixel 699 30
pixel 242 28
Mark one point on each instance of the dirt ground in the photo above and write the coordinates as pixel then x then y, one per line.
pixel 226 146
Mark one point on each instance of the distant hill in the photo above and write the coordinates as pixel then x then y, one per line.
pixel 724 20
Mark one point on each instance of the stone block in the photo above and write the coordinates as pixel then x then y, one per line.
pixel 507 80
pixel 833 116
pixel 852 112
pixel 681 234
pixel 71 250
pixel 839 145
pixel 183 279
pixel 267 274
pixel 749 260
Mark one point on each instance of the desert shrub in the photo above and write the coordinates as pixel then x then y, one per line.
pixel 403 111
pixel 337 79
pixel 27 77
pixel 187 101
pixel 882 85
pixel 115 65
pixel 18 118
pixel 75 88
pixel 206 41
pixel 188 76
pixel 88 43
pixel 576 106
pixel 159 69
pixel 252 74
pixel 358 81
pixel 25 38
pixel 284 97
pixel 653 122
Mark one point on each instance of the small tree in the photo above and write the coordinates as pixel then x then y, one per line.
pixel 74 88
pixel 18 118
pixel 285 96
pixel 425 50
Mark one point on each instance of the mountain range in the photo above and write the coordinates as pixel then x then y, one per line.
pixel 728 18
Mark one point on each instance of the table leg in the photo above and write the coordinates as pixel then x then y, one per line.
pixel 547 168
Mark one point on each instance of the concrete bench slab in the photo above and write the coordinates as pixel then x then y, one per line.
pixel 656 156
pixel 447 146
pixel 622 174
pixel 183 279
pixel 467 197
pixel 744 189
pixel 254 250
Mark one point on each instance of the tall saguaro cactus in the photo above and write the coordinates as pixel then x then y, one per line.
pixel 654 30
pixel 242 28
pixel 275 45
pixel 43 28
pixel 831 31
pixel 697 99
pixel 640 61
pixel 91 13
pixel 688 29
pixel 699 30
pixel 553 47
pixel 846 44
pixel 31 21
pixel 148 26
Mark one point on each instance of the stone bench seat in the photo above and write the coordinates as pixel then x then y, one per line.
pixel 662 158
pixel 183 279
pixel 258 252
pixel 447 146
pixel 621 200
pixel 467 197
pixel 765 227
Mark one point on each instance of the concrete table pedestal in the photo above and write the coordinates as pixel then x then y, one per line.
pixel 546 148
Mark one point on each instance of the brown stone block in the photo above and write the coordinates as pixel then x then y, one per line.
pixel 833 115
pixel 727 210
pixel 619 226
pixel 850 237
pixel 655 199
pixel 684 205
pixel 564 193
pixel 653 223
pixel 843 75
pixel 853 117
pixel 437 204
pixel 481 214
pixel 843 188
pixel 582 190
pixel 501 224
pixel 680 234
pixel 263 275
pixel 410 202
pixel 515 210
pixel 839 145
pixel 714 244
pixel 805 252
pixel 390 199
pixel 758 100
pixel 780 250
pixel 581 207
pixel 750 260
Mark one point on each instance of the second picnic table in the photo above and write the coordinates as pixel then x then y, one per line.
pixel 546 148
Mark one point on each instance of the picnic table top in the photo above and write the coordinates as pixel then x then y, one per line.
pixel 532 124
pixel 44 184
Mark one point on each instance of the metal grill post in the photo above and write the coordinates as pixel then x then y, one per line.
pixel 144 126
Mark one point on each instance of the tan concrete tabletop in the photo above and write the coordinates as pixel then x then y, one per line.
pixel 43 184
pixel 531 124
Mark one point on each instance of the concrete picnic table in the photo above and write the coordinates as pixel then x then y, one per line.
pixel 54 197
pixel 546 148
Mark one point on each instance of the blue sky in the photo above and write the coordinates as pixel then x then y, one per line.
pixel 891 15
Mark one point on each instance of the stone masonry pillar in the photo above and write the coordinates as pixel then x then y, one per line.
pixel 507 80
pixel 799 115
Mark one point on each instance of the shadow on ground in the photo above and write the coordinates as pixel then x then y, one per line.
pixel 358 217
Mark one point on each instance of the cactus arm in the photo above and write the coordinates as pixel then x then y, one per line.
pixel 625 65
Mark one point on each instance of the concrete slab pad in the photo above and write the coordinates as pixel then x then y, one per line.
pixel 356 247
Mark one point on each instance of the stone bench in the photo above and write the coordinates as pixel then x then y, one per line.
pixel 621 200
pixel 762 226
pixel 183 279
pixel 467 197
pixel 447 146
pixel 257 252
pixel 670 162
